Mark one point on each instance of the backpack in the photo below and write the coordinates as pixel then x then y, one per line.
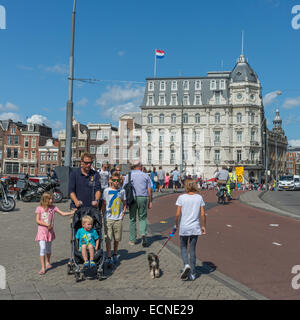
pixel 129 191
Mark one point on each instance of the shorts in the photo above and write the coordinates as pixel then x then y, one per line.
pixel 80 248
pixel 161 182
pixel 112 230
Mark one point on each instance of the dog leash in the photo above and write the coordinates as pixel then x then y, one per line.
pixel 170 236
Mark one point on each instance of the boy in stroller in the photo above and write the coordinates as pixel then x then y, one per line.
pixel 76 254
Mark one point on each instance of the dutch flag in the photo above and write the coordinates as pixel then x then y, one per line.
pixel 159 54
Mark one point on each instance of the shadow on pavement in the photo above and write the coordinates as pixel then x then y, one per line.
pixel 206 268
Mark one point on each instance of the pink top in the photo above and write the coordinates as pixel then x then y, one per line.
pixel 48 217
pixel 167 179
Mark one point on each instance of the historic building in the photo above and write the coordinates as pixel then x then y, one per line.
pixel 293 161
pixel 127 140
pixel 202 123
pixel 79 143
pixel 48 156
pixel 101 143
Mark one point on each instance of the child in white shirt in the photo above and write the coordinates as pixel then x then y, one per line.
pixel 190 206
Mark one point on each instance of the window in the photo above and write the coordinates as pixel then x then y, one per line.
pixel 161 118
pixel 252 137
pixel 30 127
pixel 185 100
pixel 174 85
pixel 49 156
pixel 8 152
pixel 151 86
pixel 149 156
pixel 33 142
pixel 32 169
pixel 9 140
pixel 150 118
pixel 162 100
pixel 92 149
pixel 173 136
pixel 173 118
pixel 252 155
pixel 185 85
pixel 239 118
pixel 161 155
pixel 42 168
pixel 217 137
pixel 106 150
pixel 197 118
pixel 54 157
pixel 172 157
pixel 26 142
pixel 26 155
pixel 16 139
pixel 198 85
pixel 93 134
pixel 15 153
pixel 222 85
pixel 117 141
pixel 185 136
pixel 149 135
pixel 213 85
pixel 99 149
pixel 173 99
pixel 252 117
pixel 150 101
pixel 81 143
pixel 105 134
pixel 197 99
pixel 185 118
pixel 162 85
pixel 217 156
pixel 217 117
pixel 99 135
pixel 32 155
pixel 239 155
pixel 239 136
pixel 13 130
pixel 117 154
pixel 161 138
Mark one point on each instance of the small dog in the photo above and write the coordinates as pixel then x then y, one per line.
pixel 153 265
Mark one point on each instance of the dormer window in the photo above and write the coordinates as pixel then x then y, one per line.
pixel 222 85
pixel 213 85
pixel 198 85
pixel 174 85
pixel 185 85
pixel 163 85
pixel 13 130
pixel 151 86
pixel 31 127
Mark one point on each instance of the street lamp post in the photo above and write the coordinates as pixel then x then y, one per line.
pixel 69 114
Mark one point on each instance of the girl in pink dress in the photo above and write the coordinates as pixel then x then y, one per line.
pixel 45 234
pixel 167 180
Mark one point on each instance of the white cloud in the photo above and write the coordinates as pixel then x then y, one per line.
pixel 10 115
pixel 291 103
pixel 270 97
pixel 37 119
pixel 82 102
pixel 58 68
pixel 294 143
pixel 8 107
pixel 121 53
pixel 119 100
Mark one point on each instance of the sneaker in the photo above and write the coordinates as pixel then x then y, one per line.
pixel 144 241
pixel 185 272
pixel 192 276
pixel 92 264
pixel 86 265
pixel 115 258
pixel 109 263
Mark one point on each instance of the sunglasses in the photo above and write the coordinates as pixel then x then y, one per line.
pixel 87 162
pixel 115 180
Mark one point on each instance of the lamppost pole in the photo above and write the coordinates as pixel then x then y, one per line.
pixel 182 139
pixel 69 114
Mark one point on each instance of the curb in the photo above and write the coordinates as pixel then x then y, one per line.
pixel 228 282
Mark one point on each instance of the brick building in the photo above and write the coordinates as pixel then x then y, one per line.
pixel 48 156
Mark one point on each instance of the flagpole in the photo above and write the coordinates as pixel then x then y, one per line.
pixel 155 63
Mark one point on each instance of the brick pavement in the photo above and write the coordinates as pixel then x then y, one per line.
pixel 19 254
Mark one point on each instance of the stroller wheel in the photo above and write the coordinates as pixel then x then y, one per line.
pixel 77 276
pixel 100 275
pixel 69 268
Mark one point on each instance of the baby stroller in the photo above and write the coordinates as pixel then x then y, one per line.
pixel 76 256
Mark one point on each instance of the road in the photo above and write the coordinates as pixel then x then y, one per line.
pixel 252 246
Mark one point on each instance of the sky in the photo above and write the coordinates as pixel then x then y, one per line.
pixel 115 43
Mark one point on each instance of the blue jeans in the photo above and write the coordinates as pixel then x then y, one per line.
pixel 184 251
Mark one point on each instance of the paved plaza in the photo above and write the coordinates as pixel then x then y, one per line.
pixel 130 280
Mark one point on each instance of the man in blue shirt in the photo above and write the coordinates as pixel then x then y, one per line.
pixel 84 184
pixel 143 190
pixel 176 177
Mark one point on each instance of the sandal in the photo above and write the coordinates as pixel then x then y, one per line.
pixel 48 266
pixel 42 272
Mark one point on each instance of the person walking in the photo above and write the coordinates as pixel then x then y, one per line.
pixel 142 186
pixel 161 178
pixel 190 207
pixel 231 183
pixel 154 178
pixel 175 179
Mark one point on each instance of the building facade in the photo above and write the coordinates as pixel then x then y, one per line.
pixel 293 161
pixel 48 156
pixel 100 143
pixel 202 123
pixel 79 143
